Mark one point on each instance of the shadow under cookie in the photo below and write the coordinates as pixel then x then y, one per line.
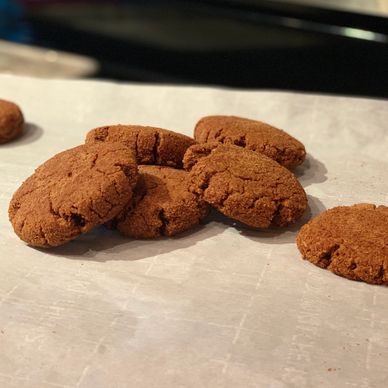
pixel 311 171
pixel 102 244
pixel 283 235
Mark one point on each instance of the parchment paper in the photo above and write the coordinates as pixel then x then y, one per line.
pixel 222 306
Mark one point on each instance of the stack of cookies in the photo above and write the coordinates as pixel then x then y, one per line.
pixel 149 182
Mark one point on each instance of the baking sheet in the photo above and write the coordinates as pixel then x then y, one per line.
pixel 222 306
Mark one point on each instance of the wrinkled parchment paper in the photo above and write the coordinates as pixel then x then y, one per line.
pixel 222 306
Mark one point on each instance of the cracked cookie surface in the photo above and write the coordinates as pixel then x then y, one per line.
pixel 164 206
pixel 11 121
pixel 151 145
pixel 253 135
pixel 73 192
pixel 350 241
pixel 247 186
pixel 196 152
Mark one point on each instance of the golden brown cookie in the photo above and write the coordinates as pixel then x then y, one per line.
pixel 11 121
pixel 73 192
pixel 247 186
pixel 151 145
pixel 253 135
pixel 351 241
pixel 164 207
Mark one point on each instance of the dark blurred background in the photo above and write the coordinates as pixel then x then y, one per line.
pixel 321 46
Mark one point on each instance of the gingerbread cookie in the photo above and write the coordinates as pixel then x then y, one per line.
pixel 351 241
pixel 11 121
pixel 253 135
pixel 247 186
pixel 73 192
pixel 164 207
pixel 151 145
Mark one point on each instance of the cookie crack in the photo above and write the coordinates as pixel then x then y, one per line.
pixel 217 135
pixel 100 215
pixel 326 258
pixel 204 185
pixel 74 217
pixel 241 141
pixel 43 235
pixel 224 199
pixel 116 190
pixel 102 135
pixel 276 216
pixel 136 146
pixel 164 222
pixel 353 266
pixel 131 206
pixel 94 161
pixel 207 137
pixel 52 211
pixel 22 226
pixel 77 220
pixel 155 149
pixel 126 170
pixel 379 278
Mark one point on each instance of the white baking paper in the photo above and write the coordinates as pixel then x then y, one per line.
pixel 222 306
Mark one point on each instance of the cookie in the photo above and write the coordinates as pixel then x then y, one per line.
pixel 11 121
pixel 253 135
pixel 351 241
pixel 247 186
pixel 73 192
pixel 152 145
pixel 164 207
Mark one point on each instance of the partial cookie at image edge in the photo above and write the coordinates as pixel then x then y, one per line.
pixel 350 241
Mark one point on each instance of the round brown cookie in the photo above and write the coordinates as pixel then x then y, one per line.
pixel 253 135
pixel 151 145
pixel 248 187
pixel 73 192
pixel 351 241
pixel 11 121
pixel 166 206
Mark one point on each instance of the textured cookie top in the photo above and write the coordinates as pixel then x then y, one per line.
pixel 253 135
pixel 164 207
pixel 72 192
pixel 11 121
pixel 151 145
pixel 196 152
pixel 351 241
pixel 247 186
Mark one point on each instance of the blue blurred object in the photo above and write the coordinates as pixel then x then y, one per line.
pixel 12 26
